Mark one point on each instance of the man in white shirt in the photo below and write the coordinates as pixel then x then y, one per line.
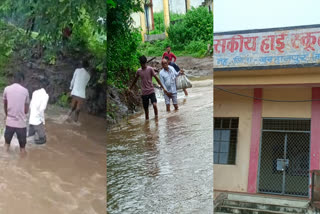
pixel 78 86
pixel 168 77
pixel 38 105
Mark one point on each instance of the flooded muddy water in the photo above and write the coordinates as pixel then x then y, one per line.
pixel 67 175
pixel 164 165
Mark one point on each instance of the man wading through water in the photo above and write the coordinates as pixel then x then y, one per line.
pixel 176 67
pixel 16 106
pixel 78 86
pixel 38 105
pixel 146 73
pixel 168 77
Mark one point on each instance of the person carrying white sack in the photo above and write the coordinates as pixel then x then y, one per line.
pixel 177 68
pixel 168 77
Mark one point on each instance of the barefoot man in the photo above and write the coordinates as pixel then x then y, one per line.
pixel 176 67
pixel 38 105
pixel 168 77
pixel 146 73
pixel 16 106
pixel 78 86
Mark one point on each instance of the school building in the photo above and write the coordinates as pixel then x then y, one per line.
pixel 267 110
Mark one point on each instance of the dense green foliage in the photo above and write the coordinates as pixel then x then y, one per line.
pixel 10 37
pixel 43 21
pixel 123 40
pixel 52 16
pixel 189 36
pixel 159 21
pixel 197 25
pixel 176 17
pixel 196 49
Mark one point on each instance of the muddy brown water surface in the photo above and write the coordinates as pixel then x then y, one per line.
pixel 67 175
pixel 164 165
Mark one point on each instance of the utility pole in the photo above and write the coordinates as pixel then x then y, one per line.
pixel 166 14
pixel 152 18
pixel 188 5
pixel 143 24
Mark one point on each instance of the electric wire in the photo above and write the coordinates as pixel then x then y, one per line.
pixel 264 99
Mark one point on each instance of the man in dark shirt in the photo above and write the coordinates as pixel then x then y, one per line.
pixel 176 67
pixel 146 73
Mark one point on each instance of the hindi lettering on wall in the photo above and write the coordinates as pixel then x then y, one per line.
pixel 272 48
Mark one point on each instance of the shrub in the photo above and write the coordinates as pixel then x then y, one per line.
pixel 63 100
pixel 197 25
pixel 197 48
pixel 158 23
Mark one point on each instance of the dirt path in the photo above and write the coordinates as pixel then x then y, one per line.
pixel 194 67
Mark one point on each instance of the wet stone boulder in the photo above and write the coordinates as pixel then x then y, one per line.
pixel 121 104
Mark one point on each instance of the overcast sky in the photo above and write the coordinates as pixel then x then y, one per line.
pixel 230 15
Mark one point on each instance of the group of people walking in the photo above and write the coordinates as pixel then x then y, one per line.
pixel 17 105
pixel 167 81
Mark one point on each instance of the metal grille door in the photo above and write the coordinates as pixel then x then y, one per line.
pixel 284 160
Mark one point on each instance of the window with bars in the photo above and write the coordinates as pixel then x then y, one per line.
pixel 225 140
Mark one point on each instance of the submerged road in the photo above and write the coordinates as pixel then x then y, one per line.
pixel 164 165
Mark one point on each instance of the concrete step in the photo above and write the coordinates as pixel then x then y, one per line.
pixel 265 206
pixel 241 210
pixel 271 200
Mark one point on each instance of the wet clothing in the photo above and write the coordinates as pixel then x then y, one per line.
pixel 146 79
pixel 40 133
pixel 77 102
pixel 146 98
pixel 170 55
pixel 17 97
pixel 21 135
pixel 174 98
pixel 168 79
pixel 79 82
pixel 175 66
pixel 38 105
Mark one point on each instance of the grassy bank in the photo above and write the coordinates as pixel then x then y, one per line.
pixel 190 35
pixel 197 49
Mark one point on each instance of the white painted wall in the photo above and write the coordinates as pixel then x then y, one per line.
pixel 157 5
pixel 149 19
pixel 136 20
pixel 230 15
pixel 177 6
pixel 196 3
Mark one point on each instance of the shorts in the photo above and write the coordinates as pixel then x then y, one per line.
pixel 174 99
pixel 21 135
pixel 40 131
pixel 145 100
pixel 77 102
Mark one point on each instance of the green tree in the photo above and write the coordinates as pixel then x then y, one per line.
pixel 43 22
pixel 122 42
pixel 49 17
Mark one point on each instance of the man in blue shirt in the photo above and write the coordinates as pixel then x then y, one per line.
pixel 168 77
pixel 176 67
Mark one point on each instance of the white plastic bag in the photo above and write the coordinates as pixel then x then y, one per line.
pixel 183 82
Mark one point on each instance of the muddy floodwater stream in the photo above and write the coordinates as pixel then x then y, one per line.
pixel 64 176
pixel 164 165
